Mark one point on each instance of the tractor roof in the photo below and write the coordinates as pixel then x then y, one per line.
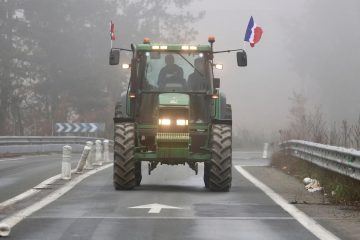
pixel 172 47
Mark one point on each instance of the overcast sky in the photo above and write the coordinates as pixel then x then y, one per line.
pixel 260 92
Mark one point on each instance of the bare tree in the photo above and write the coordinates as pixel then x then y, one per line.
pixel 334 138
pixel 356 133
pixel 345 134
pixel 298 122
pixel 316 126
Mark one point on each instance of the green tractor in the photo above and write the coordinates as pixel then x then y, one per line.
pixel 173 113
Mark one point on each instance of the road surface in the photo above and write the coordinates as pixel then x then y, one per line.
pixel 172 203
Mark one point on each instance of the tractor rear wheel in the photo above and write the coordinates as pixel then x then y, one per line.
pixel 124 176
pixel 221 161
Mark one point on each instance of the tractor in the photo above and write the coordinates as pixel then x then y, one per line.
pixel 173 113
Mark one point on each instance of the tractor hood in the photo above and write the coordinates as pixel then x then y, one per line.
pixel 174 99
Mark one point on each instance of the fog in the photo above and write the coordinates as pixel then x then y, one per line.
pixel 54 65
pixel 311 47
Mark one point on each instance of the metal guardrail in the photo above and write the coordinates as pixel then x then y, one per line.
pixel 42 144
pixel 341 160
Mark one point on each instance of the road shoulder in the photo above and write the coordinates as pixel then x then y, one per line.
pixel 343 221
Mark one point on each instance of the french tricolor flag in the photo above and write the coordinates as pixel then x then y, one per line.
pixel 253 33
pixel 112 31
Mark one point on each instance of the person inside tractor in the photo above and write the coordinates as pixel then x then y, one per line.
pixel 171 75
pixel 196 80
pixel 197 83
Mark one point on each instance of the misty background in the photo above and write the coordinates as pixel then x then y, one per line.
pixel 54 60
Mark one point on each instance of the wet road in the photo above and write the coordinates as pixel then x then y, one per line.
pixel 18 174
pixel 94 210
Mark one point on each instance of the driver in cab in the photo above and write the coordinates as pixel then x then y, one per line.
pixel 171 75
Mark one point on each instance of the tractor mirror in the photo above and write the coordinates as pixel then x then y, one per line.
pixel 241 58
pixel 216 82
pixel 114 57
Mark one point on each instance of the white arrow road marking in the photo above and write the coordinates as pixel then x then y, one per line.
pixel 155 207
pixel 59 127
pixel 93 127
pixel 77 127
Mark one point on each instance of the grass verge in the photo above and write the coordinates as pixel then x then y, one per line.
pixel 338 188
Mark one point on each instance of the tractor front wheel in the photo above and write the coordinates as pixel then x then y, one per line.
pixel 124 176
pixel 221 161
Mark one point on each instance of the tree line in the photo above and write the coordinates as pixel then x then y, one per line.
pixel 54 57
pixel 310 125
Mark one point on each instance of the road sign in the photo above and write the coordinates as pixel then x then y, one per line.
pixel 155 207
pixel 79 127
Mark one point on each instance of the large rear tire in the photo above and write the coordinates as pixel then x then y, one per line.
pixel 221 161
pixel 124 176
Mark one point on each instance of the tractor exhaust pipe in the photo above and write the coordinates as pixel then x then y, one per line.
pixel 4 230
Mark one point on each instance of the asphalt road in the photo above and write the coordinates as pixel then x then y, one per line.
pixel 21 173
pixel 94 210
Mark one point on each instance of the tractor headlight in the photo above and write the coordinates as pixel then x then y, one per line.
pixel 164 121
pixel 182 122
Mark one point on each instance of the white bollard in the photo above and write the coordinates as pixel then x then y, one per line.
pixel 106 151
pixel 66 163
pixel 82 160
pixel 98 157
pixel 4 230
pixel 90 158
pixel 265 153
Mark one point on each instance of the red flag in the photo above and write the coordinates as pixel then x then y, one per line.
pixel 112 31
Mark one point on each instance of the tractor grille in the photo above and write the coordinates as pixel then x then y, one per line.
pixel 172 137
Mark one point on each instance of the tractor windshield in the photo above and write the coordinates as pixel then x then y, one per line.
pixel 174 72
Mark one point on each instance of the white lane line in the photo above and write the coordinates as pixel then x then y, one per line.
pixel 17 217
pixel 175 218
pixel 29 192
pixel 164 217
pixel 32 191
pixel 309 223
pixel 11 159
pixel 249 152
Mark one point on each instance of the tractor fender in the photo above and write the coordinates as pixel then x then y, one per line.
pixel 120 110
pixel 225 108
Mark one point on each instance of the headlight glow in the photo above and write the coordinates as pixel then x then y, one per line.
pixel 164 121
pixel 182 122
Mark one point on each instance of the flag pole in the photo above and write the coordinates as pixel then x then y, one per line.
pixel 112 33
pixel 111 41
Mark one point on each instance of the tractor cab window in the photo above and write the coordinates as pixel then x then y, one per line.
pixel 174 71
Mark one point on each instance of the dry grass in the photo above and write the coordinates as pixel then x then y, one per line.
pixel 345 190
